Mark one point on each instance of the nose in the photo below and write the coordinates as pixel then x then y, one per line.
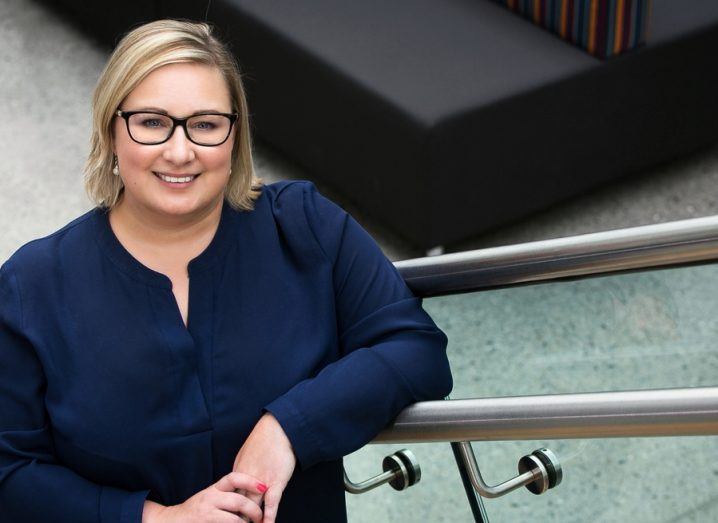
pixel 178 149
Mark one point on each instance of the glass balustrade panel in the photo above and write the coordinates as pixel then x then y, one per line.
pixel 641 330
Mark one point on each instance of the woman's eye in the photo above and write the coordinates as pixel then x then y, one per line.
pixel 203 126
pixel 153 122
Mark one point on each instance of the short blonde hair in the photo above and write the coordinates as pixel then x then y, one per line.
pixel 140 52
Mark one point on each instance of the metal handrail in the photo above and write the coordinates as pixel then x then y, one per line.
pixel 646 413
pixel 642 247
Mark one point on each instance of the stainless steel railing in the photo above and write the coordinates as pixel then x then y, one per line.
pixel 665 412
pixel 646 413
pixel 643 247
pixel 669 412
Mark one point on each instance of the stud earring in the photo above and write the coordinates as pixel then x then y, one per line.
pixel 116 167
pixel 230 170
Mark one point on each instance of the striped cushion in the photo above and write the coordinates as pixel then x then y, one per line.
pixel 602 27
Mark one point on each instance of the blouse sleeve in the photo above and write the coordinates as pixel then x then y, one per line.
pixel 393 354
pixel 33 485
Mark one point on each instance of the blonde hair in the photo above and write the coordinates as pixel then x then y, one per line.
pixel 140 52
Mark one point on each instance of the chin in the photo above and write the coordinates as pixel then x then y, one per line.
pixel 184 208
pixel 180 210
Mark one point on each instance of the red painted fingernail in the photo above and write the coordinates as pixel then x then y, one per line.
pixel 262 487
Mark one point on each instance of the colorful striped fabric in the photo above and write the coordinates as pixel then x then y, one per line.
pixel 602 27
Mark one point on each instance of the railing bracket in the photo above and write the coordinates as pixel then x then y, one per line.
pixel 401 471
pixel 548 467
pixel 538 472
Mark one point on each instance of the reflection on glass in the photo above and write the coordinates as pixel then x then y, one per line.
pixel 643 330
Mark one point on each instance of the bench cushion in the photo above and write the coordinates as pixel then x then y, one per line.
pixel 443 119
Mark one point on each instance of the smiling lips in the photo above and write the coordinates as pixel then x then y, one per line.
pixel 175 179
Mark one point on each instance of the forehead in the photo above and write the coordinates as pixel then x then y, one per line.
pixel 181 89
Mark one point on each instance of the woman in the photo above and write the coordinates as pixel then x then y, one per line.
pixel 197 347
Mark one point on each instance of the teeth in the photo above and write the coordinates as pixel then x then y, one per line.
pixel 176 180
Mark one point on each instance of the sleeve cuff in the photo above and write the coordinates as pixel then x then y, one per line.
pixel 305 444
pixel 119 506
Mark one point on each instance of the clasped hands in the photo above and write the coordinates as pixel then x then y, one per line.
pixel 261 471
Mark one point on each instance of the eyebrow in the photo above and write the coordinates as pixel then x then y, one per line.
pixel 163 111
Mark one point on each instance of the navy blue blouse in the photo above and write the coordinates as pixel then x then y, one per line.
pixel 107 399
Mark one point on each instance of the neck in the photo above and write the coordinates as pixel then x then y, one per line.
pixel 161 230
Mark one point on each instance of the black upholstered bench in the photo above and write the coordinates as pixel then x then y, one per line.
pixel 445 118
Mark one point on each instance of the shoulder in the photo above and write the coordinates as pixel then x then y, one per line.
pixel 301 197
pixel 273 191
pixel 40 255
pixel 297 194
pixel 302 213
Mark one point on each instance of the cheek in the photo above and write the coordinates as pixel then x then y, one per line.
pixel 219 159
pixel 135 157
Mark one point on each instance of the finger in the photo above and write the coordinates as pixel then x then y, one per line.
pixel 271 504
pixel 239 480
pixel 222 516
pixel 257 498
pixel 244 493
pixel 241 506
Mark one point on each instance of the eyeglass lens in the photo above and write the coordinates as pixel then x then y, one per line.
pixel 204 129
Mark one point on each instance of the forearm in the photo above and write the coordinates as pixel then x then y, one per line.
pixel 36 491
pixel 152 512
pixel 349 401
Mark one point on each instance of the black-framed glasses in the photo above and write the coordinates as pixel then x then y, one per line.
pixel 154 128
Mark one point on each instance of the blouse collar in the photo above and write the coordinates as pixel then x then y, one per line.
pixel 121 257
